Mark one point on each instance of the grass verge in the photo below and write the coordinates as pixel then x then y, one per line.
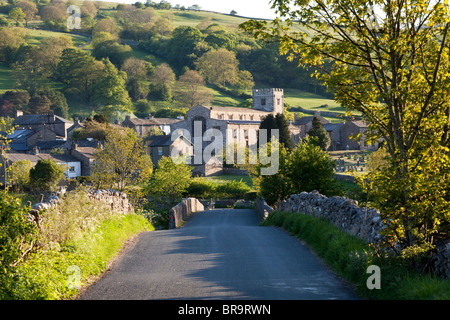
pixel 58 273
pixel 350 257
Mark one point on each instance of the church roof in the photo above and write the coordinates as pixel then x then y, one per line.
pixel 237 109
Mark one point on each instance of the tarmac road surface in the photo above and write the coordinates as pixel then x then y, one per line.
pixel 219 254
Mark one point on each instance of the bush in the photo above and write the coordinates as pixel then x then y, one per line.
pixel 201 188
pixel 17 232
pixel 232 189
pixel 45 175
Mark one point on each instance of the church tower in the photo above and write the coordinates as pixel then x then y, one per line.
pixel 269 100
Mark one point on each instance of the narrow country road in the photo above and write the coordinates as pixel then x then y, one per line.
pixel 219 254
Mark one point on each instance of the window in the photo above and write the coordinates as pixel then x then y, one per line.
pixel 263 101
pixel 160 151
pixel 278 102
pixel 230 117
pixel 72 169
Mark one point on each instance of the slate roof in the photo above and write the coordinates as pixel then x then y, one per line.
pixel 17 156
pixel 160 141
pixel 35 119
pixel 153 121
pixel 163 141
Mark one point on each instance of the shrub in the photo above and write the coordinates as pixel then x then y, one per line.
pixel 17 232
pixel 201 188
pixel 45 175
pixel 232 189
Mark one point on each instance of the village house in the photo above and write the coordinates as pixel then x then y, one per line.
pixel 341 134
pixel 163 146
pixel 71 165
pixel 143 126
pixel 52 122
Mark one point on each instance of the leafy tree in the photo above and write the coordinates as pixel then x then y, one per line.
pixel 170 180
pixel 45 175
pixel 29 9
pixel 123 160
pixel 162 82
pixel 79 71
pixel 11 40
pixel 110 89
pixel 192 91
pixel 19 173
pixel 219 67
pixel 181 46
pixel 18 97
pixel 17 235
pixel 392 67
pixel 117 53
pixel 306 168
pixel 310 168
pixel 320 133
pixel 39 104
pixel 279 122
pixel 16 14
pixel 88 9
pixel 107 25
pixel 275 187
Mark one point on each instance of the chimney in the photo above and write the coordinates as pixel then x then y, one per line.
pixel 19 113
pixel 317 114
pixel 35 150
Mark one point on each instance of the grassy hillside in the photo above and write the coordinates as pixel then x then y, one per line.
pixel 294 97
pixel 6 79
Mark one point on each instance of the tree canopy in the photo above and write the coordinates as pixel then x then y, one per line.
pixel 388 60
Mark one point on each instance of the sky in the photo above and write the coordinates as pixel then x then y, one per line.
pixel 247 8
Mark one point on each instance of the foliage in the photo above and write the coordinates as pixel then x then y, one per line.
pixel 219 67
pixel 170 180
pixel 279 122
pixel 393 68
pixel 45 175
pixel 16 232
pixel 201 188
pixel 19 173
pixel 232 189
pixel 306 168
pixel 320 133
pixel 46 276
pixel 123 160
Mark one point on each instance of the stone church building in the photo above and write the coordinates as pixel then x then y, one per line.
pixel 235 124
pixel 237 121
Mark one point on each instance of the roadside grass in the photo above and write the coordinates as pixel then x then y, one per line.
pixel 49 275
pixel 350 257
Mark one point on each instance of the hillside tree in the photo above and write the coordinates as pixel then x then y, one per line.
pixel 320 133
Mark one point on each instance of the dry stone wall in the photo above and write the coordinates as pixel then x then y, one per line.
pixel 342 212
pixel 361 222
pixel 118 201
